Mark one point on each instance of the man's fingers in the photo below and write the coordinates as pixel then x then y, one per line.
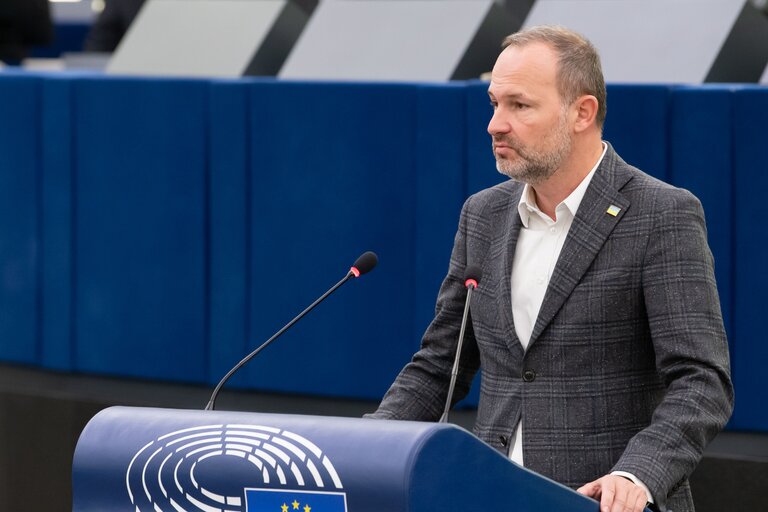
pixel 629 497
pixel 591 489
pixel 636 499
pixel 620 499
pixel 608 488
pixel 616 494
pixel 640 502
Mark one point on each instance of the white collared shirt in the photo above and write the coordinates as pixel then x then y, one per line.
pixel 538 247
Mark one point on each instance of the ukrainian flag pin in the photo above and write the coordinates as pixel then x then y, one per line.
pixel 613 210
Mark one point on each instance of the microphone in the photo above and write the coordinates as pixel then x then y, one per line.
pixel 472 275
pixel 363 264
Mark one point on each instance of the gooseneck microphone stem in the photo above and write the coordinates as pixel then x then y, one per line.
pixel 455 370
pixel 212 401
pixel 363 264
pixel 471 277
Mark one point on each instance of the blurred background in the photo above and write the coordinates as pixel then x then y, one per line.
pixel 179 178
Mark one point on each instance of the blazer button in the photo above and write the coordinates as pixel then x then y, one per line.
pixel 529 375
pixel 503 440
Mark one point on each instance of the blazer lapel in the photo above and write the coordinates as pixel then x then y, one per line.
pixel 589 231
pixel 512 233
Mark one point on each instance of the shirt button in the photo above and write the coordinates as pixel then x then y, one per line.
pixel 553 230
pixel 529 375
pixel 540 280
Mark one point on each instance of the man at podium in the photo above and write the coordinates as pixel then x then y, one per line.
pixel 597 321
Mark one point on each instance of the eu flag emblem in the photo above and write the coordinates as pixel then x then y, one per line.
pixel 274 500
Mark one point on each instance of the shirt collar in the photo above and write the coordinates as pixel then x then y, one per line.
pixel 527 204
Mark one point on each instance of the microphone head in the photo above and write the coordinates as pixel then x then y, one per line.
pixel 472 275
pixel 364 263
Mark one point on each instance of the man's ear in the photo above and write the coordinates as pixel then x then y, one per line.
pixel 586 111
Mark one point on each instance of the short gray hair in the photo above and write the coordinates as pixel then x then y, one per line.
pixel 579 71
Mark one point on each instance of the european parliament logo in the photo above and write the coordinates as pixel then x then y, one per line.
pixel 272 500
pixel 222 468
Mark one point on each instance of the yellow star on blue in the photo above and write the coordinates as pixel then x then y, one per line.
pixel 284 508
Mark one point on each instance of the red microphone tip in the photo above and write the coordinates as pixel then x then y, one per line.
pixel 355 271
pixel 469 282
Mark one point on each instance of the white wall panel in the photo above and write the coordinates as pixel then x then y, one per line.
pixel 211 38
pixel 385 40
pixel 647 40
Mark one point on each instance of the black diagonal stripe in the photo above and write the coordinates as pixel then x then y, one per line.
pixel 279 41
pixel 482 51
pixel 744 56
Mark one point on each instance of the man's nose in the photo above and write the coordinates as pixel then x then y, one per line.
pixel 497 125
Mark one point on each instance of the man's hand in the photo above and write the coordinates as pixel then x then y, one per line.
pixel 616 494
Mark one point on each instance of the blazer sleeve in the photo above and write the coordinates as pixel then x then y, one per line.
pixel 421 388
pixel 691 350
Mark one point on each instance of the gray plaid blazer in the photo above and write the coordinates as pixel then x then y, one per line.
pixel 627 368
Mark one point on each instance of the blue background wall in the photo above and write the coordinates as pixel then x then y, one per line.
pixel 161 229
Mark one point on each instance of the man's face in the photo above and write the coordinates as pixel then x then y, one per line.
pixel 530 128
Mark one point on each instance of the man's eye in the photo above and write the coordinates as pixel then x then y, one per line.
pixel 494 105
pixel 520 106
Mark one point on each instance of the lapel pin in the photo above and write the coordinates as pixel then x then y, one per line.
pixel 613 210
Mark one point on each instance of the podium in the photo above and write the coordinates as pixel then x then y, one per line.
pixel 144 459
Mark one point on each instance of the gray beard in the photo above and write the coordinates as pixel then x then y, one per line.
pixel 526 171
pixel 534 167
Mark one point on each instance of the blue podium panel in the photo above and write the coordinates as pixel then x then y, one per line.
pixel 228 242
pixel 19 217
pixel 332 169
pixel 700 161
pixel 637 126
pixel 750 118
pixel 57 219
pixel 159 459
pixel 140 228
